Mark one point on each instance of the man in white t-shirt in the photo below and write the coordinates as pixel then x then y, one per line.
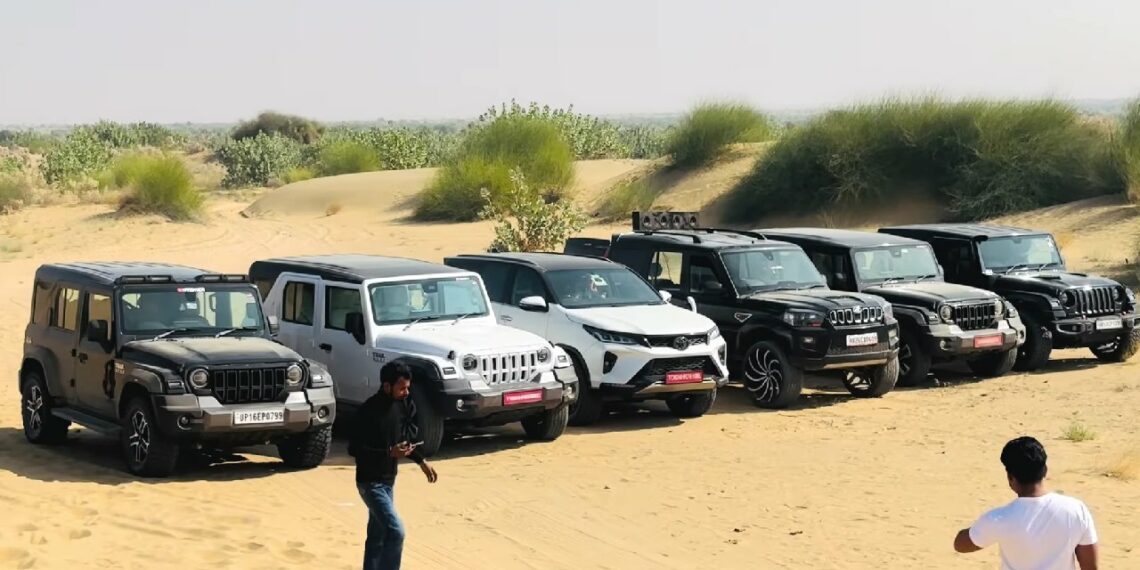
pixel 1039 530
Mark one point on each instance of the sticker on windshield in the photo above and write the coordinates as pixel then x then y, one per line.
pixel 191 289
pixel 191 306
pixel 598 280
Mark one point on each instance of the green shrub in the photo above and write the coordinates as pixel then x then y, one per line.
pixel 300 129
pixel 524 219
pixel 484 161
pixel 627 196
pixel 255 161
pixel 79 155
pixel 15 193
pixel 706 131
pixel 122 172
pixel 589 137
pixel 346 157
pixel 36 142
pixel 1129 141
pixel 979 158
pixel 12 164
pixel 297 174
pixel 644 142
pixel 162 185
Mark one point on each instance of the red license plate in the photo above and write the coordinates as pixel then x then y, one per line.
pixel 987 341
pixel 684 377
pixel 524 397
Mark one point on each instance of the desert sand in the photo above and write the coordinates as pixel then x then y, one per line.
pixel 832 483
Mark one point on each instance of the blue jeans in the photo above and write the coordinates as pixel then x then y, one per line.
pixel 384 545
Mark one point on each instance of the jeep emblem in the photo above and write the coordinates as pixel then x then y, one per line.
pixel 681 343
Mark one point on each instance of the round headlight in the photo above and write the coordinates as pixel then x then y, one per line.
pixel 999 308
pixel 199 378
pixel 470 362
pixel 1118 293
pixel 294 374
pixel 1068 298
pixel 543 354
pixel 946 312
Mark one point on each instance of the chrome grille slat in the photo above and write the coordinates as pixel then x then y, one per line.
pixel 1095 301
pixel 509 368
pixel 855 316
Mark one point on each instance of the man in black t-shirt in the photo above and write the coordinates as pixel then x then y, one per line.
pixel 379 440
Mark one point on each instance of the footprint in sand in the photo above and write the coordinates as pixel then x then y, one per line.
pixel 78 534
pixel 27 527
pixel 298 556
pixel 254 546
pixel 8 554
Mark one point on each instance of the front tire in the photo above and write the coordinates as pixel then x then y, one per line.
pixel 872 382
pixel 148 452
pixel 40 426
pixel 306 450
pixel 994 364
pixel 692 405
pixel 1034 352
pixel 914 360
pixel 588 407
pixel 771 379
pixel 548 425
pixel 1119 350
pixel 428 422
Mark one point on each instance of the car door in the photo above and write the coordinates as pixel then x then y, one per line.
pixel 297 314
pixel 354 373
pixel 707 282
pixel 61 337
pixel 525 282
pixel 94 361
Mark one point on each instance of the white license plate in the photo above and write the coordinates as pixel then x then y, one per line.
pixel 1109 324
pixel 862 339
pixel 259 417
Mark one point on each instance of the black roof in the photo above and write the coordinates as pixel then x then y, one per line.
pixel 704 239
pixel 969 231
pixel 106 273
pixel 543 261
pixel 841 238
pixel 349 268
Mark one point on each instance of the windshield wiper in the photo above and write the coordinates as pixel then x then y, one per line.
pixel 1013 268
pixel 421 319
pixel 892 280
pixel 170 332
pixel 461 317
pixel 228 331
pixel 806 287
pixel 921 277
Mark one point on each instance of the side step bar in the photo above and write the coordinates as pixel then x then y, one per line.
pixel 87 420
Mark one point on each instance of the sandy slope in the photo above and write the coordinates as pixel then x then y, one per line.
pixel 835 483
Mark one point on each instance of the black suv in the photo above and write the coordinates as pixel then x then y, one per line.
pixel 166 357
pixel 769 302
pixel 939 321
pixel 1060 309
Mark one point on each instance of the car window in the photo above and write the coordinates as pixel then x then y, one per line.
pixel 665 270
pixel 426 300
pixel 65 314
pixel 833 267
pixel 495 279
pixel 298 303
pixel 41 303
pixel 339 302
pixel 99 308
pixel 601 287
pixel 702 275
pixel 189 308
pixel 528 283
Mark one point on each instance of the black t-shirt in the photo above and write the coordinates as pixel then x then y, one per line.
pixel 380 424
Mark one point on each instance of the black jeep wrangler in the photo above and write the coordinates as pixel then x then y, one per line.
pixel 938 321
pixel 769 302
pixel 166 357
pixel 1060 309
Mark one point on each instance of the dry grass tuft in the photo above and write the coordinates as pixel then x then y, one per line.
pixel 1078 432
pixel 1125 466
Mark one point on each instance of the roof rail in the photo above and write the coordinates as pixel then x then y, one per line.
pixel 695 238
pixel 748 233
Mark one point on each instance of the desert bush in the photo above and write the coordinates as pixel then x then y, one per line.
pixel 297 174
pixel 645 142
pixel 346 157
pixel 33 141
pixel 256 160
pixel 589 137
pixel 15 193
pixel 394 149
pixel 706 131
pixel 484 160
pixel 1129 147
pixel 79 155
pixel 979 158
pixel 300 129
pixel 633 195
pixel 1078 432
pixel 524 221
pixel 12 164
pixel 161 185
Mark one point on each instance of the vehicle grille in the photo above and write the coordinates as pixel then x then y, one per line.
pixel 655 370
pixel 855 316
pixel 671 340
pixel 248 385
pixel 1094 301
pixel 497 369
pixel 840 350
pixel 975 316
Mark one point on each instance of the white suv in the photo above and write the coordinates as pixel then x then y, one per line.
pixel 354 313
pixel 626 341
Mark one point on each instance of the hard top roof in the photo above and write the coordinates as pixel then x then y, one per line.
pixel 349 268
pixel 703 238
pixel 545 261
pixel 842 238
pixel 969 231
pixel 107 272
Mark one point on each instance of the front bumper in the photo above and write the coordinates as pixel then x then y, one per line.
pixel 634 392
pixel 1082 331
pixel 950 341
pixel 190 416
pixel 636 365
pixel 493 406
pixel 828 349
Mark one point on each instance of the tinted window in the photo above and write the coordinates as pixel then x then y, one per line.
pixel 191 309
pixel 298 303
pixel 895 262
pixel 65 313
pixel 665 270
pixel 601 287
pixel 760 269
pixel 496 278
pixel 41 303
pixel 339 302
pixel 1028 252
pixel 528 283
pixel 702 275
pixel 99 308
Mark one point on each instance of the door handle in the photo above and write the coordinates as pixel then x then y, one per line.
pixel 73 352
pixel 506 319
pixel 325 347
pixel 83 357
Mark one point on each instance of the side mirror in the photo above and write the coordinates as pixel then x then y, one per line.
pixel 665 296
pixel 354 324
pixel 692 303
pixel 274 325
pixel 99 331
pixel 533 303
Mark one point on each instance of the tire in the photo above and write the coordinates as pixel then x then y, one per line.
pixel 40 426
pixel 872 382
pixel 692 405
pixel 428 423
pixel 769 377
pixel 914 359
pixel 1034 352
pixel 1119 350
pixel 306 450
pixel 588 408
pixel 548 425
pixel 994 364
pixel 147 451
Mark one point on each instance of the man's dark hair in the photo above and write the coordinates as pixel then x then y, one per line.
pixel 393 372
pixel 1024 459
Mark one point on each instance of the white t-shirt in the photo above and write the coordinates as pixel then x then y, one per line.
pixel 1037 533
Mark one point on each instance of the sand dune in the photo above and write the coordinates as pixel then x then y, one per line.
pixel 835 483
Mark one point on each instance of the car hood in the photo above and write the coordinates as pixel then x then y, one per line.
pixel 816 299
pixel 1050 281
pixel 930 294
pixel 664 319
pixel 173 353
pixel 462 338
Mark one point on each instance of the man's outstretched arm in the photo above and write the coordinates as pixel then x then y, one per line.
pixel 963 543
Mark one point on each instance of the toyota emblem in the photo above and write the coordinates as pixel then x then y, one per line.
pixel 681 343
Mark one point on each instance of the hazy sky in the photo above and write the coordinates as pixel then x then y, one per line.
pixel 223 60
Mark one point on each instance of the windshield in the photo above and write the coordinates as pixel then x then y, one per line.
pixel 427 300
pixel 900 262
pixel 601 287
pixel 155 310
pixel 1032 252
pixel 762 269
